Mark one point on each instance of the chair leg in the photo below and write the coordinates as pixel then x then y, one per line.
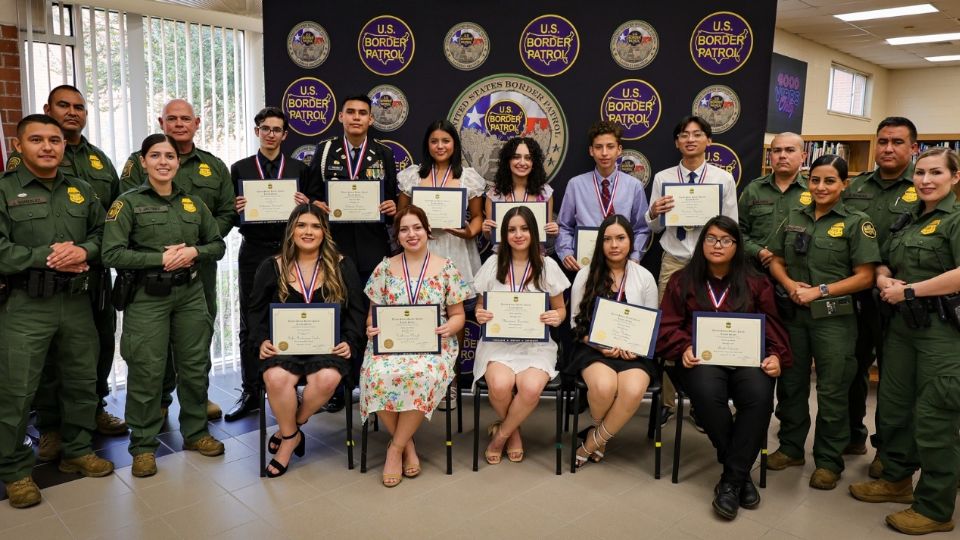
pixel 677 438
pixel 376 423
pixel 263 433
pixel 656 404
pixel 573 432
pixel 449 436
pixel 459 400
pixel 476 429
pixel 559 440
pixel 363 444
pixel 348 407
pixel 763 458
pixel 567 410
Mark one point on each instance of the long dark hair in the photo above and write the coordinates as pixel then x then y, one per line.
pixel 599 282
pixel 693 277
pixel 334 289
pixel 503 181
pixel 456 158
pixel 505 255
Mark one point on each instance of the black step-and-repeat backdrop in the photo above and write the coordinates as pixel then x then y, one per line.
pixel 499 69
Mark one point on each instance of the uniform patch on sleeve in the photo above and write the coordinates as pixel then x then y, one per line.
pixel 114 210
pixel 868 229
pixel 13 163
pixel 127 169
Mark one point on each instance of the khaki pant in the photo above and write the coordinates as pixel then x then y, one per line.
pixel 669 265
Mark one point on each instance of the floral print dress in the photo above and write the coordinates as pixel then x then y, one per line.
pixel 405 382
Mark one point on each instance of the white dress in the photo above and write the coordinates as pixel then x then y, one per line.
pixel 462 252
pixel 521 355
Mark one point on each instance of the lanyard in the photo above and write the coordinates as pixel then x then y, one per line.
pixel 412 294
pixel 523 280
pixel 613 192
pixel 307 291
pixel 283 163
pixel 354 168
pixel 713 296
pixel 433 176
pixel 702 175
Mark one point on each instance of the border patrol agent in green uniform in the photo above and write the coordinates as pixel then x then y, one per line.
pixel 886 195
pixel 50 230
pixel 203 175
pixel 164 301
pixel 920 387
pixel 825 253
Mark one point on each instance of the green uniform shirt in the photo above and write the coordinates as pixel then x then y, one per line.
pixel 141 223
pixel 36 214
pixel 841 240
pixel 883 200
pixel 88 163
pixel 201 174
pixel 929 246
pixel 763 210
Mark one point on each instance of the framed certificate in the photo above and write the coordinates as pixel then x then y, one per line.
pixel 268 201
pixel 500 209
pixel 624 326
pixel 354 201
pixel 407 328
pixel 516 316
pixel 446 208
pixel 693 204
pixel 729 339
pixel 305 328
pixel 584 244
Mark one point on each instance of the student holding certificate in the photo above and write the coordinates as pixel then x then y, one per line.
pixel 404 388
pixel 616 379
pixel 308 270
pixel 720 278
pixel 823 254
pixel 520 178
pixel 519 266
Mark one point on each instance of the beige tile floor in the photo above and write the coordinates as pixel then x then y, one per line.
pixel 197 497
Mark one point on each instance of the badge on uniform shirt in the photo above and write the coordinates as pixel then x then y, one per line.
pixel 75 196
pixel 910 195
pixel 95 162
pixel 868 229
pixel 836 230
pixel 114 210
pixel 931 227
pixel 204 170
pixel 188 204
pixel 806 198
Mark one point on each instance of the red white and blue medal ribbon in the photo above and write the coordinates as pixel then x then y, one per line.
pixel 514 287
pixel 307 291
pixel 717 302
pixel 433 176
pixel 701 176
pixel 412 293
pixel 607 210
pixel 283 163
pixel 622 291
pixel 353 169
pixel 513 196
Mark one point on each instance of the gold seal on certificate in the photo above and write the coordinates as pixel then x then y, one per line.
pixel 305 328
pixel 729 339
pixel 693 204
pixel 585 243
pixel 354 201
pixel 516 316
pixel 268 200
pixel 539 209
pixel 624 326
pixel 445 207
pixel 407 329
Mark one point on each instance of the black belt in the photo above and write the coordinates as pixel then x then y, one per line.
pixel 184 276
pixel 42 283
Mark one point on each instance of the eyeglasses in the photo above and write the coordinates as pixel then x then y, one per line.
pixel 712 240
pixel 275 130
pixel 688 135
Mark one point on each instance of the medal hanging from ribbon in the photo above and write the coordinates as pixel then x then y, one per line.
pixel 717 302
pixel 622 290
pixel 514 287
pixel 414 293
pixel 353 169
pixel 608 208
pixel 307 291
pixel 283 164
pixel 433 176
pixel 513 196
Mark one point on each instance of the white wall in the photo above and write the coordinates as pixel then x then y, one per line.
pixel 8 12
pixel 926 96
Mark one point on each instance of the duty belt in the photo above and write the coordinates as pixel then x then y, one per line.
pixel 43 283
pixel 183 276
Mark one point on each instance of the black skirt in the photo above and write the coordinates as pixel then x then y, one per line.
pixel 583 355
pixel 303 365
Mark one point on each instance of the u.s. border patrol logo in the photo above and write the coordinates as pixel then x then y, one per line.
pixel 386 45
pixel 636 165
pixel 910 195
pixel 308 44
pixel 499 107
pixel 401 156
pixel 868 229
pixel 835 230
pixel 721 43
pixel 13 163
pixel 204 170
pixel 806 198
pixel 114 210
pixel 466 46
pixel 188 205
pixel 634 105
pixel 930 228
pixel 549 45
pixel 310 106
pixel 304 153
pixel 719 105
pixel 95 162
pixel 634 44
pixel 389 107
pixel 724 157
pixel 75 196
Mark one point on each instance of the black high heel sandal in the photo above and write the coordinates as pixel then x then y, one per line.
pixel 273 445
pixel 299 451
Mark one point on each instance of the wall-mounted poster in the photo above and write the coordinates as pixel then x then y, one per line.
pixel 788 80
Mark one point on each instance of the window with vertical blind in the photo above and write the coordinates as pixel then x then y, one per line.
pixel 848 91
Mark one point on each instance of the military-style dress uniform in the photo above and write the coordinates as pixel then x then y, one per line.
pixel 763 210
pixel 839 241
pixel 167 307
pixel 920 387
pixel 48 313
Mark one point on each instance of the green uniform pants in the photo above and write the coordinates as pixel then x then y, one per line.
pixel 919 424
pixel 150 324
pixel 830 342
pixel 208 276
pixel 31 331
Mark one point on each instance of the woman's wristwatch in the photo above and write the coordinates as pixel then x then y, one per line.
pixel 824 290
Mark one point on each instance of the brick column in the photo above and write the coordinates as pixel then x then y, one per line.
pixel 11 104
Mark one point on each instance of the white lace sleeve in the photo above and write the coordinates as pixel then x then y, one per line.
pixel 408 178
pixel 475 184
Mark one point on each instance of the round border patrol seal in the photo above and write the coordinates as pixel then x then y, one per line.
pixel 544 122
pixel 466 46
pixel 402 157
pixel 308 44
pixel 719 105
pixel 724 157
pixel 310 106
pixel 549 45
pixel 634 163
pixel 304 153
pixel 634 105
pixel 721 43
pixel 634 44
pixel 389 107
pixel 386 45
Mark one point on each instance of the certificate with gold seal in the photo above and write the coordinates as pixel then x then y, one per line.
pixel 584 244
pixel 305 328
pixel 354 201
pixel 729 339
pixel 268 201
pixel 446 208
pixel 538 208
pixel 407 329
pixel 516 316
pixel 693 204
pixel 624 326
